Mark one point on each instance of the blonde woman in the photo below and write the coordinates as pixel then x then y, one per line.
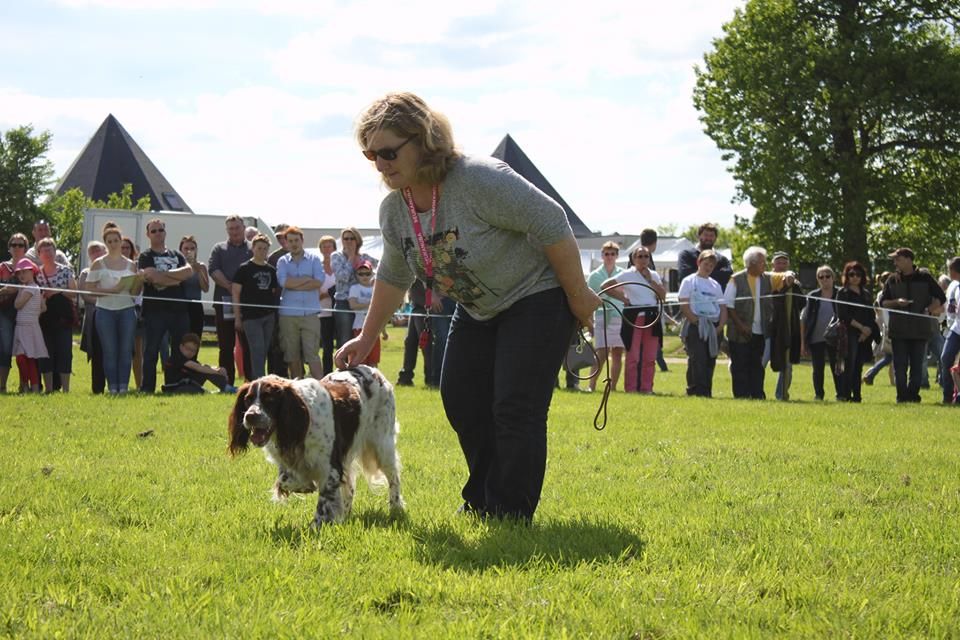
pixel 115 280
pixel 480 234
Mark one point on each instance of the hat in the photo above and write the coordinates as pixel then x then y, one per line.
pixel 902 252
pixel 24 264
pixel 781 254
pixel 366 264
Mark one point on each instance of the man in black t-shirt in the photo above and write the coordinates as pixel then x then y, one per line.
pixel 254 293
pixel 164 307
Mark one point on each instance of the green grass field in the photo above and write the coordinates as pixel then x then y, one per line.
pixel 684 518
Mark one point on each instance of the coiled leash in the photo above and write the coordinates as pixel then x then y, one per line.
pixel 583 343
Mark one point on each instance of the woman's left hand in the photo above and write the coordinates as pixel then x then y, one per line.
pixel 583 304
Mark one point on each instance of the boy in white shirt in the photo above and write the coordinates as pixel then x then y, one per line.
pixel 359 297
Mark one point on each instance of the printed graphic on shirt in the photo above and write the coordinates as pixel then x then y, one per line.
pixel 263 280
pixel 451 277
pixel 165 263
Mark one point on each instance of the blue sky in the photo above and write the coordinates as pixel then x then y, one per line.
pixel 247 106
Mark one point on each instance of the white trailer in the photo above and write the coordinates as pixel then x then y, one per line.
pixel 207 229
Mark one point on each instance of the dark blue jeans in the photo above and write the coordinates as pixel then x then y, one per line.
pixel 951 347
pixel 498 379
pixel 157 323
pixel 912 354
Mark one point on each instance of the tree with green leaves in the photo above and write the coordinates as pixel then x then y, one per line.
pixel 841 120
pixel 25 177
pixel 66 213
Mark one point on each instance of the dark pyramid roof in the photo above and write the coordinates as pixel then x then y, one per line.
pixel 111 159
pixel 511 153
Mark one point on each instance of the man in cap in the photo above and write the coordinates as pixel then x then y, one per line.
pixel 784 341
pixel 914 298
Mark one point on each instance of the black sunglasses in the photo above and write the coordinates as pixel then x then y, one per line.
pixel 851 274
pixel 386 153
pixel 14 245
pixel 824 276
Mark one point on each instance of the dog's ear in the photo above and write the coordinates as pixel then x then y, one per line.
pixel 239 436
pixel 292 421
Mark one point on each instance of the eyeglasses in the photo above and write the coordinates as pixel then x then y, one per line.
pixel 824 276
pixel 160 230
pixel 386 153
pixel 16 245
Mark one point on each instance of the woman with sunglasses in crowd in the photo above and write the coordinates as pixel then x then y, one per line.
pixel 855 347
pixel 817 314
pixel 642 293
pixel 17 245
pixel 482 235
pixel 345 263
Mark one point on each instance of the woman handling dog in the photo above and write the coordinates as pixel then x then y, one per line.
pixel 479 233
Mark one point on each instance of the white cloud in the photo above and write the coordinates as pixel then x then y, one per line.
pixel 599 99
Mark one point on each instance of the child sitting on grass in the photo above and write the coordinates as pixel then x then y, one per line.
pixel 188 374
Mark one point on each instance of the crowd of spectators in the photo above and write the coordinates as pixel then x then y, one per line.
pixel 762 317
pixel 286 312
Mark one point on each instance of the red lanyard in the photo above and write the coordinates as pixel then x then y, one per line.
pixel 425 252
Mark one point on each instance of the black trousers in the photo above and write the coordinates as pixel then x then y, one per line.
pixel 411 348
pixel 746 368
pixel 497 383
pixel 912 355
pixel 820 355
pixel 226 339
pixel 700 364
pixel 857 354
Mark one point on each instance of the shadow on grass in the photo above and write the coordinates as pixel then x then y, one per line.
pixel 505 544
pixel 294 534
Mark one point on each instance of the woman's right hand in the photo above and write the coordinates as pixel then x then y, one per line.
pixel 354 352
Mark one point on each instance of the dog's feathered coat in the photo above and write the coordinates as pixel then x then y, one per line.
pixel 315 430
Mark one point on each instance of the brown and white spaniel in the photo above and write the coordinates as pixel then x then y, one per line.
pixel 319 433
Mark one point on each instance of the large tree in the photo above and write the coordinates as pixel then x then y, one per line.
pixel 25 177
pixel 66 212
pixel 841 119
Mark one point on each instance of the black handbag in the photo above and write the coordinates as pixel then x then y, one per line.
pixel 832 333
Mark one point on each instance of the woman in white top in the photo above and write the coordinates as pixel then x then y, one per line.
pixel 114 278
pixel 642 294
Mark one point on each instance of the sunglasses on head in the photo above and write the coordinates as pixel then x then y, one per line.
pixel 386 153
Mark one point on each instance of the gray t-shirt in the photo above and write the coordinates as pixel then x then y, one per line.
pixel 487 251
